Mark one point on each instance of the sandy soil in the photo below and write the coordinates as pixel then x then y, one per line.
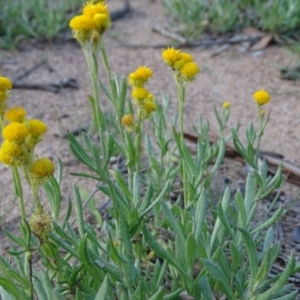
pixel 233 75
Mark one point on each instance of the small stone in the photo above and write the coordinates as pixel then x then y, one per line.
pixel 296 234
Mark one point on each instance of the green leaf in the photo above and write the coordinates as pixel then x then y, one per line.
pixel 88 262
pixel 200 216
pixel 204 288
pixel 184 152
pixel 173 296
pixel 17 240
pixel 8 290
pixel 136 189
pixel 111 269
pixel 190 252
pixel 63 244
pixel 220 156
pixel 242 217
pixel 158 295
pixel 235 257
pixel 221 222
pixel 268 261
pixel 79 210
pixel 159 198
pixel 291 296
pixel 160 251
pixel 79 152
pixel 219 277
pixel 180 246
pixel 282 280
pixel 103 291
pixel 68 213
pixel 251 251
pixel 249 195
pixel 277 215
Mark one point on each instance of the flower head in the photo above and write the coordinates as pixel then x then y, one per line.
pixel 170 56
pixel 42 169
pixel 102 22
pixel 226 105
pixel 11 154
pixel 149 107
pixel 5 83
pixel 40 224
pixel 15 114
pixel 15 132
pixel 261 97
pixel 37 127
pixel 95 19
pixel 139 94
pixel 140 76
pixel 128 122
pixel 184 58
pixel 189 71
pixel 82 22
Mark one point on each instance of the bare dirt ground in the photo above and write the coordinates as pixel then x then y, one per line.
pixel 233 75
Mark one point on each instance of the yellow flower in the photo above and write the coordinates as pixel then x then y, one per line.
pixel 15 132
pixel 42 169
pixel 102 22
pixel 15 114
pixel 170 56
pixel 5 83
pixel 127 120
pixel 184 58
pixel 37 127
pixel 11 154
pixel 149 106
pixel 82 23
pixel 40 224
pixel 139 94
pixel 144 72
pixel 140 76
pixel 189 71
pixel 261 97
pixel 92 9
pixel 226 105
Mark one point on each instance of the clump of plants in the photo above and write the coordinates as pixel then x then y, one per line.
pixel 28 19
pixel 153 245
pixel 219 17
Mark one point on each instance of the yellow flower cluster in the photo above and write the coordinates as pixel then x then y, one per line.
pixel 5 87
pixel 93 22
pixel 261 97
pixel 181 63
pixel 141 96
pixel 20 136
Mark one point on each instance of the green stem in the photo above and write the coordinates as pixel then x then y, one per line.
pixel 93 70
pixel 260 134
pixel 181 98
pixel 138 145
pixel 29 271
pixel 19 191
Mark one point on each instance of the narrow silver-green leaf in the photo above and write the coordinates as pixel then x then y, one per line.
pixel 103 291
